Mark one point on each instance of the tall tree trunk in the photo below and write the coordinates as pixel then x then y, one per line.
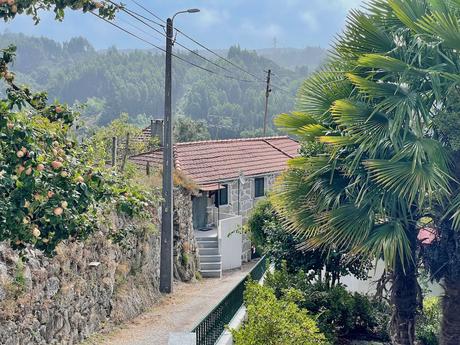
pixel 450 326
pixel 404 298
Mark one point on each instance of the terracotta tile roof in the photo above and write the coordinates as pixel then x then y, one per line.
pixel 207 162
pixel 144 136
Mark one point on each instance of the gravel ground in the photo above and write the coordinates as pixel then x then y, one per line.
pixel 178 312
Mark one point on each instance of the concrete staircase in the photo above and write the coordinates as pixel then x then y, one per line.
pixel 210 258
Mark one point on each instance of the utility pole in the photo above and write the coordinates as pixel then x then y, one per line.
pixel 166 249
pixel 166 262
pixel 267 95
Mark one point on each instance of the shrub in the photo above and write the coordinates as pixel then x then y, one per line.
pixel 429 323
pixel 273 321
pixel 340 314
pixel 270 237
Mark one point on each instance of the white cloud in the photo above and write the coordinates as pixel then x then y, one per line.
pixel 340 4
pixel 209 17
pixel 310 19
pixel 262 32
pixel 349 4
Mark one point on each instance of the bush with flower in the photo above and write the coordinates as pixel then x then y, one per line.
pixel 49 190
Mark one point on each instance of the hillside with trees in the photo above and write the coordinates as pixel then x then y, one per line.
pixel 113 82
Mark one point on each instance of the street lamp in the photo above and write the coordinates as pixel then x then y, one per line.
pixel 191 10
pixel 166 255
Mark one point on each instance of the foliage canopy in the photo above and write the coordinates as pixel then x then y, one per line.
pixel 49 190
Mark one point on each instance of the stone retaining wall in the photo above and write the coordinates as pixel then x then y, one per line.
pixel 83 288
pixel 185 246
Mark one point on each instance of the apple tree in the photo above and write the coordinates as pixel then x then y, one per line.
pixel 48 192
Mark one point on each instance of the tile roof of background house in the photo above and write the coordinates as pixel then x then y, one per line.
pixel 207 162
pixel 144 136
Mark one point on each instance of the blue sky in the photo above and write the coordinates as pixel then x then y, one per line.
pixel 220 24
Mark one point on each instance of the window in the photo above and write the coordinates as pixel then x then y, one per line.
pixel 259 184
pixel 222 196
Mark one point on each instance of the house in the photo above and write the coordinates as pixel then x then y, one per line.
pixel 231 176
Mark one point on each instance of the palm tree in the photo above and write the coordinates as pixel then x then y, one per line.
pixel 382 165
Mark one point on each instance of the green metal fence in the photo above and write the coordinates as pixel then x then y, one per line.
pixel 213 325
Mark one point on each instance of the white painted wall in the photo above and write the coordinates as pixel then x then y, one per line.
pixel 369 286
pixel 230 242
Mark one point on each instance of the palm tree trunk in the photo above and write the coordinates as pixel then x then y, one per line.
pixel 404 299
pixel 450 326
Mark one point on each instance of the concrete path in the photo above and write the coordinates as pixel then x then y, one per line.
pixel 178 312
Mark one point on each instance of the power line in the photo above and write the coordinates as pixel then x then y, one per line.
pixel 148 11
pixel 137 28
pixel 219 56
pixel 144 17
pixel 200 44
pixel 280 88
pixel 125 8
pixel 228 61
pixel 136 16
pixel 164 51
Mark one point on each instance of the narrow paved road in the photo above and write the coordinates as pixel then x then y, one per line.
pixel 179 312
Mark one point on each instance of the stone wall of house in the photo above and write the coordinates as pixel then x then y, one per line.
pixel 185 246
pixel 247 201
pixel 85 287
pixel 246 198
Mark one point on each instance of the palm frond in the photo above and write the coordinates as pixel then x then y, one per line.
pixel 422 150
pixel 425 182
pixel 388 241
pixel 365 126
pixel 409 11
pixel 362 36
pixel 389 64
pixel 344 227
pixel 373 89
pixel 444 25
pixel 336 140
pixel 454 212
pixel 291 123
pixel 319 92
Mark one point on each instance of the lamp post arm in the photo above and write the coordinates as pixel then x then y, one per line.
pixel 175 14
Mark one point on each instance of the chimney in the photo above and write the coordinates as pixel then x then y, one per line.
pixel 156 130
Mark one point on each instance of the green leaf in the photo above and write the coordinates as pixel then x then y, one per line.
pixel 444 25
pixel 364 126
pixel 426 182
pixel 409 11
pixel 344 228
pixel 320 91
pixel 362 35
pixel 293 122
pixel 388 241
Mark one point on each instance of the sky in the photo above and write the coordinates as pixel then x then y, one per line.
pixel 252 24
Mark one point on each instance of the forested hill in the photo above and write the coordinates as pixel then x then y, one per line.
pixel 114 82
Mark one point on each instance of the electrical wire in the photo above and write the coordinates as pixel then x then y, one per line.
pixel 137 28
pixel 148 11
pixel 163 50
pixel 200 44
pixel 136 16
pixel 219 56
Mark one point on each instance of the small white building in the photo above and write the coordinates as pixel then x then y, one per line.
pixel 231 176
